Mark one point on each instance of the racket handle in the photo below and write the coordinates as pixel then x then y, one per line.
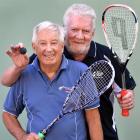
pixel 41 136
pixel 125 112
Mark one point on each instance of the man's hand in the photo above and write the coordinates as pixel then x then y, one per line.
pixel 31 136
pixel 20 60
pixel 127 101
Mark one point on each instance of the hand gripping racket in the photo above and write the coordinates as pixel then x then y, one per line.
pixel 120 27
pixel 93 83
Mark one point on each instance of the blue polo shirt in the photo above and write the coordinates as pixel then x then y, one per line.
pixel 43 100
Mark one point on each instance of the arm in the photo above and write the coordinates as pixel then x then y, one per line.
pixel 10 75
pixel 127 101
pixel 94 124
pixel 20 61
pixel 12 124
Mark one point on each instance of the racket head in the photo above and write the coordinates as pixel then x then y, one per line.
pixel 120 27
pixel 92 84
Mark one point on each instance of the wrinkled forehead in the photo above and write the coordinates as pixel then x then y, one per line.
pixel 80 21
pixel 47 34
pixel 48 30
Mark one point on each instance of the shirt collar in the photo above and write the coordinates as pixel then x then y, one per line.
pixel 64 63
pixel 92 49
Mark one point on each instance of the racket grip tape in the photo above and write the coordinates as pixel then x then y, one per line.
pixel 125 112
pixel 41 136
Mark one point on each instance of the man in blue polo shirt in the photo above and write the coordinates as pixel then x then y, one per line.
pixel 37 90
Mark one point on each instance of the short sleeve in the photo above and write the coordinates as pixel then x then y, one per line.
pixel 14 100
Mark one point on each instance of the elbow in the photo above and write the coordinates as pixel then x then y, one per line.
pixel 6 117
pixel 4 82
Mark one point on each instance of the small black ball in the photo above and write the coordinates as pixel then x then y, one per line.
pixel 23 50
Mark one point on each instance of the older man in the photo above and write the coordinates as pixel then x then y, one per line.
pixel 37 90
pixel 79 22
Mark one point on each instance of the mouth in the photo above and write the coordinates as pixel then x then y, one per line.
pixel 78 42
pixel 49 56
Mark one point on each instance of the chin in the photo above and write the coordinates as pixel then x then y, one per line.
pixel 49 62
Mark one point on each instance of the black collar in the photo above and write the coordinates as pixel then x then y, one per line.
pixel 92 50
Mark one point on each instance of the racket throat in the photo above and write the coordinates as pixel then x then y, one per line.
pixel 123 80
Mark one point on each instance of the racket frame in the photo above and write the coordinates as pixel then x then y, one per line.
pixel 122 65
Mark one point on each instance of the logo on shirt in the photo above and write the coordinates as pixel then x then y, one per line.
pixel 66 89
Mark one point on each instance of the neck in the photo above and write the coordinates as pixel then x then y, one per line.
pixel 79 57
pixel 50 71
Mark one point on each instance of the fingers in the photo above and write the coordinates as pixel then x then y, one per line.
pixel 21 45
pixel 34 136
pixel 31 136
pixel 127 101
pixel 19 59
pixel 15 49
pixel 118 95
pixel 9 53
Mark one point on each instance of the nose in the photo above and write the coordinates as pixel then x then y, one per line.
pixel 48 47
pixel 79 34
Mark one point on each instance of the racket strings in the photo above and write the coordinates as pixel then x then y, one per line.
pixel 90 86
pixel 120 27
pixel 84 92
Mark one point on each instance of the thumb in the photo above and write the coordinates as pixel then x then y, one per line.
pixel 118 95
pixel 35 136
pixel 21 45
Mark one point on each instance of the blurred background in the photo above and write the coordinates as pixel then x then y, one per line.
pixel 17 19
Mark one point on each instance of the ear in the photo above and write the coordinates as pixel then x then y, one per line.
pixel 34 47
pixel 93 33
pixel 62 48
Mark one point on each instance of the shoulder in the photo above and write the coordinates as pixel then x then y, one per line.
pixel 28 72
pixel 102 51
pixel 102 47
pixel 76 65
pixel 28 69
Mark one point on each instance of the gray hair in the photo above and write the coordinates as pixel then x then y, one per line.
pixel 79 9
pixel 48 25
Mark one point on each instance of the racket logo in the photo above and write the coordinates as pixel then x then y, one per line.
pixel 98 74
pixel 119 30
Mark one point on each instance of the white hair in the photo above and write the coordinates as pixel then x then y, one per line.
pixel 48 25
pixel 79 9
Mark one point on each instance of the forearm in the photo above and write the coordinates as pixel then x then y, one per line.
pixel 94 124
pixel 13 126
pixel 10 75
